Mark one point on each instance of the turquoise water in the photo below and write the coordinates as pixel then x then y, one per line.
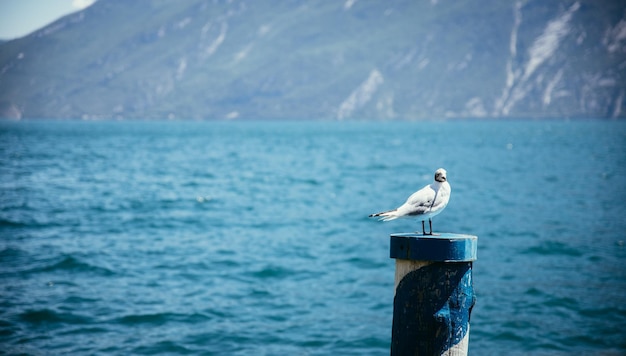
pixel 253 238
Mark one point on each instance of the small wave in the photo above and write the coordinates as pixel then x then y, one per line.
pixel 377 166
pixel 50 316
pixel 156 319
pixel 604 312
pixel 185 268
pixel 548 248
pixel 161 318
pixel 84 330
pixel 78 300
pixel 226 263
pixel 519 325
pixel 163 347
pixel 365 263
pixel 205 199
pixel 293 181
pixel 35 221
pixel 272 272
pixel 564 302
pixel 73 264
pixel 510 336
pixel 534 292
pixel 4 222
pixel 10 253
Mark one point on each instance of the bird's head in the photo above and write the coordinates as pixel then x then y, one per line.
pixel 440 175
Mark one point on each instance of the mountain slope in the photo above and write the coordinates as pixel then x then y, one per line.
pixel 196 59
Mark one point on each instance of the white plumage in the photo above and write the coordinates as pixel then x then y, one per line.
pixel 423 204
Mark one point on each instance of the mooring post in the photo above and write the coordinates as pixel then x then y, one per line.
pixel 434 293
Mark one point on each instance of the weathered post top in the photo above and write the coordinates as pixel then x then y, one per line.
pixel 444 247
pixel 434 293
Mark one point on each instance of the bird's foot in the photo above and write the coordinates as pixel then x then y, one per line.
pixel 426 233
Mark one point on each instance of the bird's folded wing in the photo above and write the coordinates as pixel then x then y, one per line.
pixel 423 196
pixel 419 202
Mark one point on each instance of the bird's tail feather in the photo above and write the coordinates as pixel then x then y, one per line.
pixel 386 215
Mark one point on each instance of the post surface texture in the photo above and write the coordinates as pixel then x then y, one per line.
pixel 434 293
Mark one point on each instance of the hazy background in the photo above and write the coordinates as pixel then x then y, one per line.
pixel 354 59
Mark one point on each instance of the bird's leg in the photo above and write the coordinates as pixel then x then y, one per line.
pixel 423 231
pixel 430 224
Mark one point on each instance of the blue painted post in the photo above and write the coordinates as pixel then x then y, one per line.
pixel 434 293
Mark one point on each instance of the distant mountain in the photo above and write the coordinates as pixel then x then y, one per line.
pixel 291 59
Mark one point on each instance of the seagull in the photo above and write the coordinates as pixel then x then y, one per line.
pixel 423 204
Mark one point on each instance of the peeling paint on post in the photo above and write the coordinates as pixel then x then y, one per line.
pixel 434 293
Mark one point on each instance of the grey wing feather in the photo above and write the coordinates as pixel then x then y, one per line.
pixel 419 202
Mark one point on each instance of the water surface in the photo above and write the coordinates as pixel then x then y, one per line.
pixel 253 238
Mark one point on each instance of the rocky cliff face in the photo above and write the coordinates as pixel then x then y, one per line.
pixel 356 59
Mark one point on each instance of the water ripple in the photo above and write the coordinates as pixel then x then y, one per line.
pixel 161 318
pixel 253 238
pixel 45 316
pixel 72 264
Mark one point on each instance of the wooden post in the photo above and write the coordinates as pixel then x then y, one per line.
pixel 434 293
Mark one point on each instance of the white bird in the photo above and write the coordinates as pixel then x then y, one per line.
pixel 423 204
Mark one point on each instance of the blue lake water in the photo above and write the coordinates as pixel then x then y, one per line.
pixel 253 238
